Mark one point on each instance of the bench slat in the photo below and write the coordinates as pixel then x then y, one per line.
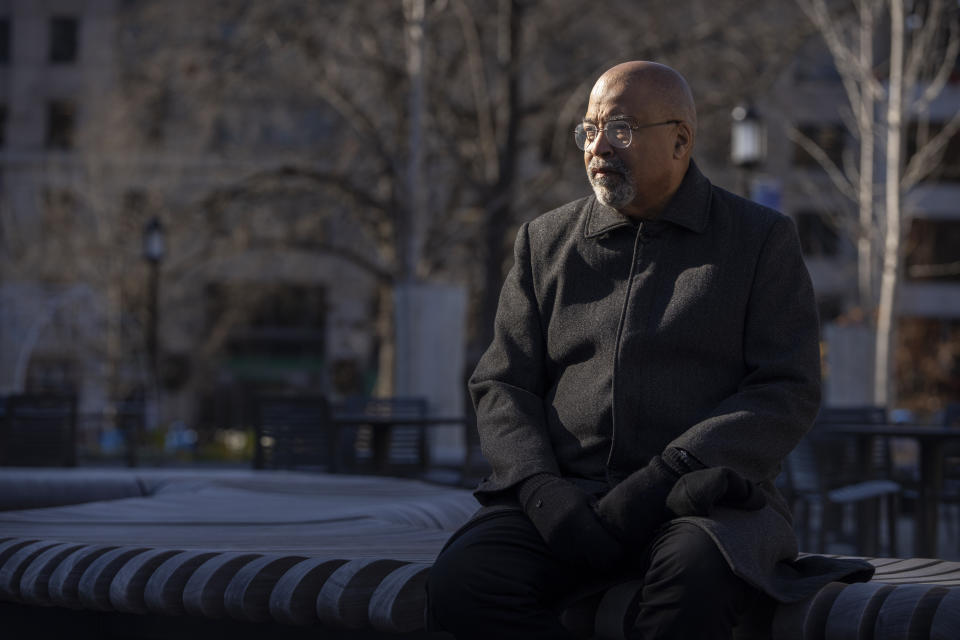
pixel 127 590
pixel 397 605
pixel 65 580
pixel 937 570
pixel 11 572
pixel 93 588
pixel 807 619
pixel 247 596
pixel 163 592
pixel 34 583
pixel 910 564
pixel 907 612
pixel 344 601
pixel 854 612
pixel 946 621
pixel 203 594
pixel 294 598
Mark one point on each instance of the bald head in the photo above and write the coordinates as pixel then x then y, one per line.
pixel 664 91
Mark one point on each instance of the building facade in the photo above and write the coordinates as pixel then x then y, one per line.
pixel 240 306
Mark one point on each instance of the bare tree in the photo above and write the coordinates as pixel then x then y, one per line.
pixel 499 87
pixel 915 49
pixel 291 126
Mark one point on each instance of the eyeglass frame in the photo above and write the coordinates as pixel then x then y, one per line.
pixel 633 127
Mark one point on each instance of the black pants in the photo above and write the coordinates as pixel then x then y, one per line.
pixel 497 579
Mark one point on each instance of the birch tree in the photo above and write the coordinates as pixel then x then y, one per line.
pixel 894 58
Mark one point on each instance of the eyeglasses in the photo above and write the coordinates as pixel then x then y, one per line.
pixel 619 132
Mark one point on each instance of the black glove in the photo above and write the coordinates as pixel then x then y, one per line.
pixel 698 492
pixel 563 514
pixel 635 508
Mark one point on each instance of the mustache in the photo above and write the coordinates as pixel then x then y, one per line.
pixel 613 164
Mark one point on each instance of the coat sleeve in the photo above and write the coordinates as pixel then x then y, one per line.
pixel 752 430
pixel 509 383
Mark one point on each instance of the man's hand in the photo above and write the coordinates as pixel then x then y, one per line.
pixel 698 492
pixel 564 515
pixel 635 508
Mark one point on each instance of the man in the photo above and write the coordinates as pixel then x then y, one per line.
pixel 655 358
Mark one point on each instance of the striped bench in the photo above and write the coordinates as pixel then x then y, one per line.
pixel 328 551
pixel 916 599
pixel 913 598
pixel 348 553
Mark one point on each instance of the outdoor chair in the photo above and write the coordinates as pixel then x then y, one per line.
pixel 295 432
pixel 843 455
pixel 406 441
pixel 950 491
pixel 815 480
pixel 807 489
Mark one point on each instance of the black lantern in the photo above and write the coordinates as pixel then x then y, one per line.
pixel 748 139
pixel 154 242
pixel 154 250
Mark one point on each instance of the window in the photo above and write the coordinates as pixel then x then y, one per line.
pixel 4 40
pixel 61 123
pixel 63 40
pixel 931 253
pixel 928 363
pixel 279 326
pixel 60 208
pixel 157 113
pixel 814 63
pixel 817 237
pixel 829 137
pixel 135 203
pixel 51 375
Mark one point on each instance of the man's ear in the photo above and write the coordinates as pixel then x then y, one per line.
pixel 684 142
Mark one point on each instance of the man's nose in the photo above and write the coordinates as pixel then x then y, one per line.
pixel 600 146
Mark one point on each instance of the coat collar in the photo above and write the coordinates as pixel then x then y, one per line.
pixel 689 208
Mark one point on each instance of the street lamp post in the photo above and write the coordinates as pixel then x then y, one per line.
pixel 748 143
pixel 154 250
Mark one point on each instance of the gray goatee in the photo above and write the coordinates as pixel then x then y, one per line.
pixel 615 191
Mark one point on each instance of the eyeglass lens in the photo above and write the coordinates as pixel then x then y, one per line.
pixel 618 134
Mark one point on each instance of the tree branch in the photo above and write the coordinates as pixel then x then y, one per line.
pixel 944 70
pixel 854 77
pixel 249 184
pixel 486 132
pixel 925 159
pixel 920 43
pixel 836 175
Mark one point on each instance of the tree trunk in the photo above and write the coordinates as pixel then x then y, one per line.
pixel 884 374
pixel 411 231
pixel 386 354
pixel 412 243
pixel 498 215
pixel 866 121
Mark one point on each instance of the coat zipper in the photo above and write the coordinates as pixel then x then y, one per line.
pixel 616 351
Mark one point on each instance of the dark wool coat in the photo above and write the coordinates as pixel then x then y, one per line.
pixel 614 340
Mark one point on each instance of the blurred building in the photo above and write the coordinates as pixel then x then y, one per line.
pixel 51 55
pixel 810 97
pixel 241 307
